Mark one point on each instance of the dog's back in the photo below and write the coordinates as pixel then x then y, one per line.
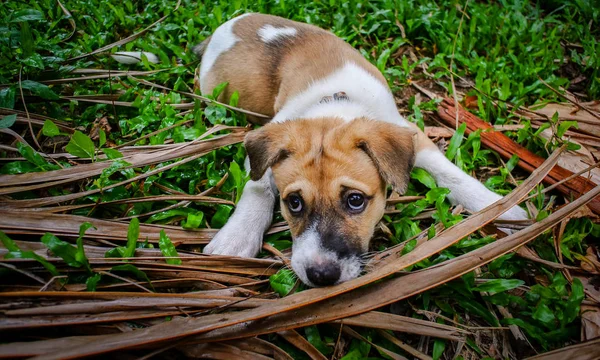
pixel 267 59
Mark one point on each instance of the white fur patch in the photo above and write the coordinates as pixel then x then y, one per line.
pixel 464 189
pixel 243 234
pixel 222 40
pixel 368 96
pixel 268 33
pixel 307 250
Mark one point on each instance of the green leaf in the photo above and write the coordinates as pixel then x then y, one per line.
pixel 112 153
pixel 283 281
pixel 40 90
pixel 133 234
pixel 477 309
pixel 574 302
pixel 194 220
pixel 50 129
pixel 438 348
pixel 168 249
pixel 218 90
pixel 16 253
pixel 544 315
pixel 564 126
pixel 139 274
pixel 455 142
pixel 27 15
pixel 102 138
pixel 7 97
pixel 423 177
pixel 81 145
pixel 499 285
pixel 107 172
pixel 7 121
pixel 92 282
pixel 220 217
pixel 8 243
pixel 314 337
pixel 62 249
pixel 35 158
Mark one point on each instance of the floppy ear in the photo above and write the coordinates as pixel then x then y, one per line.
pixel 391 148
pixel 265 149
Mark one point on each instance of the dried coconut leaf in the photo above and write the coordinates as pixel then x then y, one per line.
pixel 385 321
pixel 360 300
pixel 589 350
pixel 301 343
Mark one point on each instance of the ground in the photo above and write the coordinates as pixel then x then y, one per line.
pixel 129 147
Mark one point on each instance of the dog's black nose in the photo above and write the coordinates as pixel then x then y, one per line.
pixel 323 275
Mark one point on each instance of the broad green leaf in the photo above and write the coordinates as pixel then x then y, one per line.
pixel 16 253
pixel 7 97
pixel 455 141
pixel 81 145
pixel 40 90
pixel 133 234
pixel 283 281
pixel 473 307
pixel 574 301
pixel 499 285
pixel 194 220
pixel 314 337
pixel 7 121
pixel 168 249
pixel 62 249
pixel 218 90
pixel 423 177
pixel 26 15
pixel 35 158
pixel 92 282
pixel 221 216
pixel 544 315
pixel 112 154
pixel 564 126
pixel 438 348
pixel 31 255
pixel 8 243
pixel 139 274
pixel 50 128
pixel 102 138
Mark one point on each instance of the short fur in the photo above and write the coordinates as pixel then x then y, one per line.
pixel 322 152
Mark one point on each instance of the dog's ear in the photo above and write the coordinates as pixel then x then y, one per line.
pixel 265 148
pixel 391 148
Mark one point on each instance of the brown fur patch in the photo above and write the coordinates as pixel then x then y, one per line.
pixel 326 160
pixel 267 74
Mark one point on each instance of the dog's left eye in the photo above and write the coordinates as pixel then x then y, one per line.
pixel 356 202
pixel 294 202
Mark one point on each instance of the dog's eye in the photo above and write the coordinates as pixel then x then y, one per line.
pixel 294 202
pixel 356 202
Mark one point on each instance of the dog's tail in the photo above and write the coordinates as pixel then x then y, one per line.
pixel 199 49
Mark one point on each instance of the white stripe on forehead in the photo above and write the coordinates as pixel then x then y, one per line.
pixel 221 41
pixel 268 33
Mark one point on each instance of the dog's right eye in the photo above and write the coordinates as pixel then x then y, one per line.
pixel 294 202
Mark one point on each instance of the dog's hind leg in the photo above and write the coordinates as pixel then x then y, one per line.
pixel 244 231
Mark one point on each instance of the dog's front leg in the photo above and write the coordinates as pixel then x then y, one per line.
pixel 243 234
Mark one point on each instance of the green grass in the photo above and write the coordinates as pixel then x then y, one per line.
pixel 503 48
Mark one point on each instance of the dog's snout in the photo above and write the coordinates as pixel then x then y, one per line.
pixel 323 274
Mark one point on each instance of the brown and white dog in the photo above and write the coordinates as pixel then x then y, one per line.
pixel 335 142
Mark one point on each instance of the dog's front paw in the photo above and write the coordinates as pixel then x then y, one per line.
pixel 235 239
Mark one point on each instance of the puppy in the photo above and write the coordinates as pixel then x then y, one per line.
pixel 334 144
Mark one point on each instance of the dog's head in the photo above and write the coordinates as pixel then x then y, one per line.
pixel 332 177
